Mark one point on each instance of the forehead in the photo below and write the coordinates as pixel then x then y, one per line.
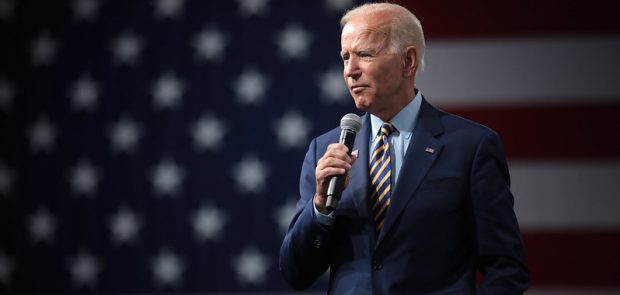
pixel 364 31
pixel 362 38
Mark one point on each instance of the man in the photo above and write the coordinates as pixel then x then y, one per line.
pixel 427 204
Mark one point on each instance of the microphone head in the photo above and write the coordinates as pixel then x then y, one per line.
pixel 351 122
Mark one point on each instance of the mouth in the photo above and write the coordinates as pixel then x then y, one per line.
pixel 358 88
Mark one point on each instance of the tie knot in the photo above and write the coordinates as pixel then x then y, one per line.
pixel 386 129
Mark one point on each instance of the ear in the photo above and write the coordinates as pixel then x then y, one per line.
pixel 410 64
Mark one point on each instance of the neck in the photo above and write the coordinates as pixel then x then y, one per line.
pixel 404 99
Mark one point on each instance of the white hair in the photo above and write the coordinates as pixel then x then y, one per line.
pixel 405 28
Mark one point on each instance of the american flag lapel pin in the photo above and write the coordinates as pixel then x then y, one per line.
pixel 429 150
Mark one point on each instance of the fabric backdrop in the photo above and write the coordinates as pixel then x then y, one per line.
pixel 155 146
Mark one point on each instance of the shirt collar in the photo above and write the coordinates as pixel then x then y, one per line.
pixel 404 121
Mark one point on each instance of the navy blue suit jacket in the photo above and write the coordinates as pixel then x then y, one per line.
pixel 451 216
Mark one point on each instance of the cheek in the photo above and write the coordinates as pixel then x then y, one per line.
pixel 382 73
pixel 389 76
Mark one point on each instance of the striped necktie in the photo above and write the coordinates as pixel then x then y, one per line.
pixel 380 175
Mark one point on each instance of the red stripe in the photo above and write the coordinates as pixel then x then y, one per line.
pixel 457 18
pixel 574 258
pixel 553 132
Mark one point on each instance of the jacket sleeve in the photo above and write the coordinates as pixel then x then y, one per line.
pixel 304 254
pixel 501 254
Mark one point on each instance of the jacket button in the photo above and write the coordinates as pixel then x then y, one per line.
pixel 317 243
pixel 376 265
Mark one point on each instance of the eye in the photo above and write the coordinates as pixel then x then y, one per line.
pixel 345 59
pixel 365 55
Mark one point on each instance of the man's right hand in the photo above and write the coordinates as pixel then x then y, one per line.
pixel 335 161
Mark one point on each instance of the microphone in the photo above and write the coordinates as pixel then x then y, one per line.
pixel 350 124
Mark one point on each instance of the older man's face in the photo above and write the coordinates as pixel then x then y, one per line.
pixel 373 75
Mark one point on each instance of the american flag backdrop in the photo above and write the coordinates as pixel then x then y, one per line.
pixel 155 146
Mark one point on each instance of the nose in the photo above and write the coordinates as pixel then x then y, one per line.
pixel 351 68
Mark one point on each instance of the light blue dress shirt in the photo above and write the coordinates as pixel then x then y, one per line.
pixel 404 122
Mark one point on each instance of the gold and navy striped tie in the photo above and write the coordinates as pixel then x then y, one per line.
pixel 380 175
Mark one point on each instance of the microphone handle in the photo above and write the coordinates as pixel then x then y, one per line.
pixel 336 182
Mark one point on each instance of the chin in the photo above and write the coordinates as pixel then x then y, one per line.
pixel 362 104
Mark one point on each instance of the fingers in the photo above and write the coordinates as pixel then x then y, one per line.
pixel 335 161
pixel 336 153
pixel 354 156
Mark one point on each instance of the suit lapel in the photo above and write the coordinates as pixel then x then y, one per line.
pixel 423 149
pixel 358 180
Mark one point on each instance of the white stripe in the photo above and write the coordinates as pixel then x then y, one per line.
pixel 522 71
pixel 566 194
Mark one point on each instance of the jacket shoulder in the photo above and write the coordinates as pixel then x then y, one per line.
pixel 327 138
pixel 452 123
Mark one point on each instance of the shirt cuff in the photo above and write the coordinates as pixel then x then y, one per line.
pixel 323 219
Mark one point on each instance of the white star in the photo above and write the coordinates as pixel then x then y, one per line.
pixel 167 91
pixel 7 177
pixel 6 269
pixel 292 130
pixel 208 132
pixel 332 86
pixel 125 134
pixel 250 86
pixel 253 7
pixel 7 93
pixel 84 269
pixel 338 5
pixel 167 268
pixel 167 178
pixel 84 93
pixel 42 135
pixel 293 42
pixel 208 222
pixel 43 49
pixel 84 178
pixel 86 10
pixel 6 9
pixel 285 213
pixel 42 225
pixel 250 174
pixel 124 225
pixel 126 48
pixel 168 8
pixel 251 266
pixel 210 44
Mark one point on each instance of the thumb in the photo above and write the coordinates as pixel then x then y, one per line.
pixel 354 156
